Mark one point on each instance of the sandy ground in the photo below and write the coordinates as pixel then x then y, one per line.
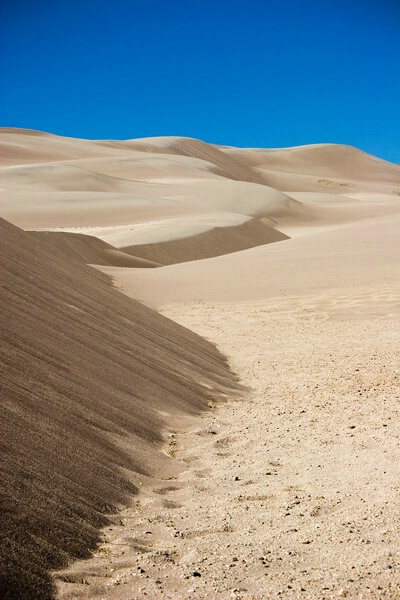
pixel 293 491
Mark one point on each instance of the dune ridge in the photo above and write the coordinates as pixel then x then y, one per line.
pixel 216 242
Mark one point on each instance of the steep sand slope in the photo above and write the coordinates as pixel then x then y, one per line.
pixel 89 379
pixel 216 242
pixel 228 166
pixel 91 250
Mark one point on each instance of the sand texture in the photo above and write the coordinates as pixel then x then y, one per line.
pixel 228 425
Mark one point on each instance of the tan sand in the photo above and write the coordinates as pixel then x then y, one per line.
pixel 292 493
pixel 291 488
pixel 328 168
pixel 348 258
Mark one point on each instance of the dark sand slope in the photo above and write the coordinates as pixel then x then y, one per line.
pixel 91 250
pixel 216 242
pixel 86 375
pixel 226 165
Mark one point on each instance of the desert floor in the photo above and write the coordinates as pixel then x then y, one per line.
pixel 292 491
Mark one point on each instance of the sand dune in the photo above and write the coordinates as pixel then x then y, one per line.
pixel 153 168
pixel 291 491
pixel 331 168
pixel 89 379
pixel 74 193
pixel 298 266
pixel 216 242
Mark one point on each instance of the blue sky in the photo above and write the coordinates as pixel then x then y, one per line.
pixel 249 73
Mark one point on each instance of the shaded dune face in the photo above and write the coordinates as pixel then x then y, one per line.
pixel 217 242
pixel 86 374
pixel 91 250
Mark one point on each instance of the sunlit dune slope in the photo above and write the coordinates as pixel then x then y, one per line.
pixel 88 378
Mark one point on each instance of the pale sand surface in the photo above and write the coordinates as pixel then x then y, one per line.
pixel 291 492
pixel 352 256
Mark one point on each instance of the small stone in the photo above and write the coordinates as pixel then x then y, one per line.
pixel 196 574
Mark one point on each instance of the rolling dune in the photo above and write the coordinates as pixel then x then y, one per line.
pixel 303 265
pixel 216 242
pixel 329 168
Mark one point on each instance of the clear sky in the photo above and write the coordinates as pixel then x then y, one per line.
pixel 252 73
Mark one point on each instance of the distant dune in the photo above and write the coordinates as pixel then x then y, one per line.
pixel 321 167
